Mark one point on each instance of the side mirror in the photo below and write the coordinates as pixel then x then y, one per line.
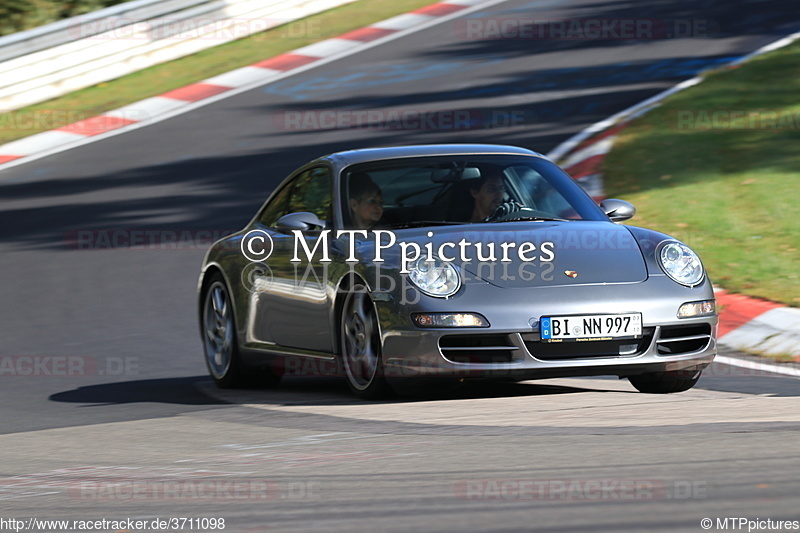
pixel 617 210
pixel 303 221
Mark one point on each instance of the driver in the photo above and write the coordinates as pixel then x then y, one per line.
pixel 488 191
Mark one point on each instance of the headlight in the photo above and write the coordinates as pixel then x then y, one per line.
pixel 680 263
pixel 450 320
pixel 434 278
pixel 701 308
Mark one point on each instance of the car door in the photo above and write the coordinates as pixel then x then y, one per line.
pixel 293 303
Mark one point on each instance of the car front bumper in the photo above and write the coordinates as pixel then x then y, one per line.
pixel 511 347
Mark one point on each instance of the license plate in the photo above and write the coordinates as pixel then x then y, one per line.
pixel 590 327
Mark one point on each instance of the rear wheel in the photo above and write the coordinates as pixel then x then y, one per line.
pixel 219 341
pixel 665 382
pixel 361 346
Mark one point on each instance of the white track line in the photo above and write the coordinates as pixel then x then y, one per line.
pixel 635 110
pixel 558 152
pixel 761 367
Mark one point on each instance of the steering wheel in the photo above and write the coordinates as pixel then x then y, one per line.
pixel 511 209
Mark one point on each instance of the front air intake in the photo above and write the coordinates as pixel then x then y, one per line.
pixel 677 340
pixel 477 348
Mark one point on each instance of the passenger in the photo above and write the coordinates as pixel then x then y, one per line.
pixel 366 201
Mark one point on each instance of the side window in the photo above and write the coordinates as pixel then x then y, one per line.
pixel 277 207
pixel 312 192
pixel 308 191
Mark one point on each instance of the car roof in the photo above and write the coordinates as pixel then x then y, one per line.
pixel 365 155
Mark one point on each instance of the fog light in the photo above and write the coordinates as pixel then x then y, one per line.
pixel 701 308
pixel 449 320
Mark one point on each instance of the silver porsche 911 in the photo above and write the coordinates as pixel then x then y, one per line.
pixel 455 262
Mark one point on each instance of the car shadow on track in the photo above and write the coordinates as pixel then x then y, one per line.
pixel 199 391
pixel 181 391
pixel 333 391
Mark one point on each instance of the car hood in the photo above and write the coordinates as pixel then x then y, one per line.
pixel 565 254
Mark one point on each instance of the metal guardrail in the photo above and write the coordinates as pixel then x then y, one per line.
pixel 50 35
pixel 52 60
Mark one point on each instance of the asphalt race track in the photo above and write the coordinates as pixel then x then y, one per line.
pixel 117 418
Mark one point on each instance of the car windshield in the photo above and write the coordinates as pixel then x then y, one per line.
pixel 442 190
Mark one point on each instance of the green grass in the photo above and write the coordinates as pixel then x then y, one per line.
pixel 732 194
pixel 165 77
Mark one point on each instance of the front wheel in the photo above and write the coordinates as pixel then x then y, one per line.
pixel 360 345
pixel 665 382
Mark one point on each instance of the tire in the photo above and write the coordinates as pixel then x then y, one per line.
pixel 220 341
pixel 665 382
pixel 360 345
